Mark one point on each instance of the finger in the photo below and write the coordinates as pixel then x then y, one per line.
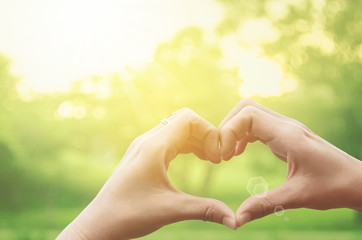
pixel 241 144
pixel 254 121
pixel 195 146
pixel 258 206
pixel 247 102
pixel 149 133
pixel 206 209
pixel 242 104
pixel 198 151
pixel 186 125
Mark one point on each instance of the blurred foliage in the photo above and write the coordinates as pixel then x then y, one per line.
pixel 320 43
pixel 58 149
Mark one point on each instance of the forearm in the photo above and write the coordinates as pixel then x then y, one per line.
pixel 104 218
pixel 91 223
pixel 70 233
pixel 338 177
pixel 356 187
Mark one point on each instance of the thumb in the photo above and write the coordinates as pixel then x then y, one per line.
pixel 283 197
pixel 207 209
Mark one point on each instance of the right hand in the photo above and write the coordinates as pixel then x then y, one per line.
pixel 319 175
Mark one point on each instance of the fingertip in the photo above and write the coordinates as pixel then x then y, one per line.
pixel 215 161
pixel 243 218
pixel 227 143
pixel 211 145
pixel 213 156
pixel 240 148
pixel 227 157
pixel 208 209
pixel 229 222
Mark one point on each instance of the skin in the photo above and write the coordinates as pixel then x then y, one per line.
pixel 138 198
pixel 319 175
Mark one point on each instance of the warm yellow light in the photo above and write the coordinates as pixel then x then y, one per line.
pixel 260 75
pixel 265 78
pixel 68 109
pixel 65 110
pixel 52 43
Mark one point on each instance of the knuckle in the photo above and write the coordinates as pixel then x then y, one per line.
pixel 249 110
pixel 301 125
pixel 227 130
pixel 190 116
pixel 246 102
pixel 209 213
pixel 263 207
pixel 297 136
pixel 187 111
pixel 266 207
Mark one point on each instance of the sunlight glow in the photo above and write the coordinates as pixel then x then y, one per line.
pixel 134 96
pixel 264 77
pixel 260 75
pixel 318 39
pixel 52 43
pixel 65 109
pixel 99 113
pixel 68 109
pixel 75 110
pixel 257 31
pixel 25 92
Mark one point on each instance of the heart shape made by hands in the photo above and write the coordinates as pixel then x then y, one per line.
pixel 249 122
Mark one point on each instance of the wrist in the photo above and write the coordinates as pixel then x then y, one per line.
pixel 103 218
pixel 355 187
pixel 94 222
pixel 97 221
pixel 71 232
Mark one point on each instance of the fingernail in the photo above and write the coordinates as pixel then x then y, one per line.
pixel 243 218
pixel 229 222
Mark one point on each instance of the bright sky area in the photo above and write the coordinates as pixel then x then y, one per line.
pixel 52 43
pixel 65 40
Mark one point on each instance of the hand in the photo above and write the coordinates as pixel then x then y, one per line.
pixel 138 198
pixel 319 175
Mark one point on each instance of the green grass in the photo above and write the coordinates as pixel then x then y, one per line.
pixel 259 235
pixel 303 224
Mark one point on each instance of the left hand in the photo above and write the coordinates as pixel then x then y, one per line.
pixel 138 198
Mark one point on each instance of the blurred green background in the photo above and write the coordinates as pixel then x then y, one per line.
pixel 301 58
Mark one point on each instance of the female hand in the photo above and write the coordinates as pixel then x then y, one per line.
pixel 138 198
pixel 319 175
